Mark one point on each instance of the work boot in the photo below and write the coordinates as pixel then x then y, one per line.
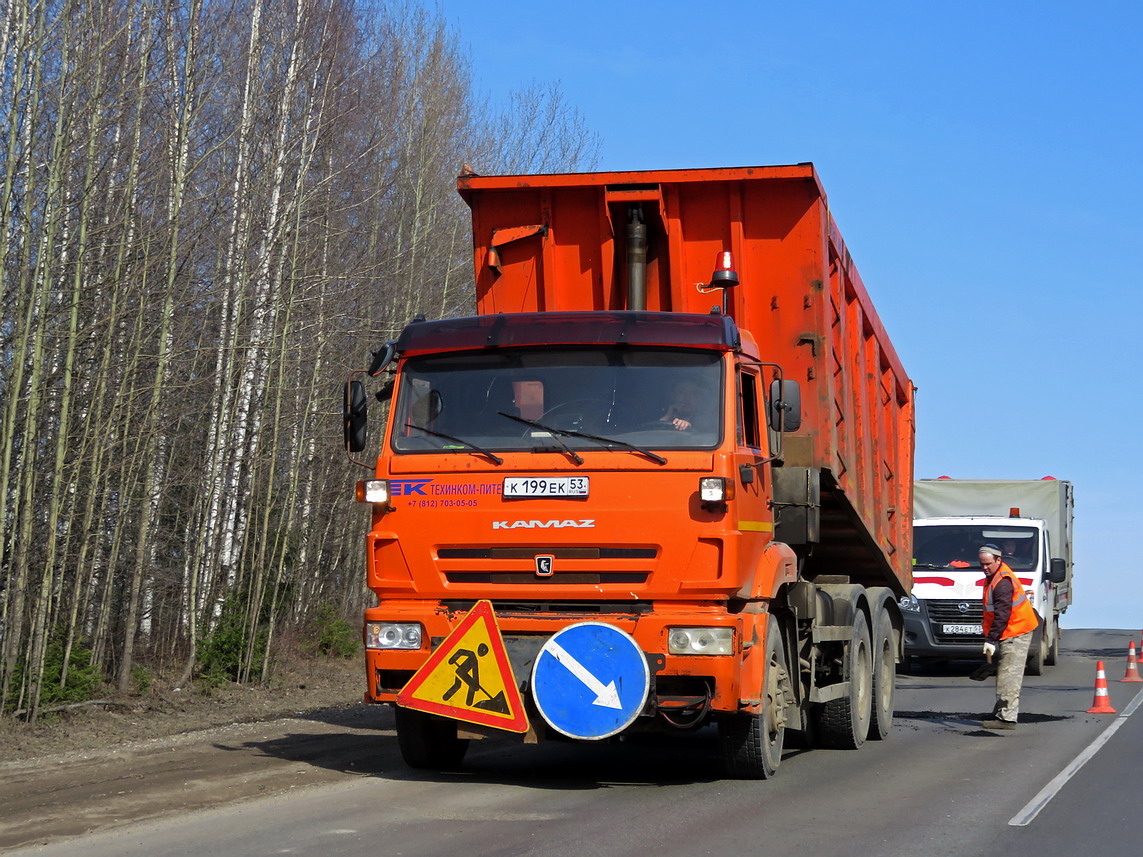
pixel 998 723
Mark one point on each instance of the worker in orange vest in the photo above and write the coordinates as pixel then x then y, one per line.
pixel 1009 623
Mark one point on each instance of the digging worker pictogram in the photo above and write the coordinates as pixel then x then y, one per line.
pixel 467 663
pixel 1009 623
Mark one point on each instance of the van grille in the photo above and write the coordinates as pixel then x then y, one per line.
pixel 944 611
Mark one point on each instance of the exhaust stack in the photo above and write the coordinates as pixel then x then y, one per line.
pixel 636 258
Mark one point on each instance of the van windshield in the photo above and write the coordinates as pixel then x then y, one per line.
pixel 658 398
pixel 955 546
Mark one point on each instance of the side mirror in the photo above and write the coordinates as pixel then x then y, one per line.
pixel 1058 571
pixel 382 357
pixel 354 420
pixel 785 406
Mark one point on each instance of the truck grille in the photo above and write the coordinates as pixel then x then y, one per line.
pixel 559 553
pixel 580 565
pixel 592 578
pixel 947 611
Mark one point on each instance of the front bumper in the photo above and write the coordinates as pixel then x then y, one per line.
pixel 718 683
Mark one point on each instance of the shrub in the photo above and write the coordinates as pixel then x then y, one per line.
pixel 142 679
pixel 84 679
pixel 332 636
pixel 223 650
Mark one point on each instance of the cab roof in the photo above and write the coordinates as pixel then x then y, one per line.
pixel 616 327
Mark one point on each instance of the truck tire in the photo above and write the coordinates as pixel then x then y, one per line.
pixel 1037 653
pixel 752 744
pixel 884 653
pixel 428 743
pixel 844 722
pixel 1053 656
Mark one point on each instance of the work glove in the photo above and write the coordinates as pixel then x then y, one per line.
pixel 989 649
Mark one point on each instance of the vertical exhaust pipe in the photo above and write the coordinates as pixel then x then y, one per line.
pixel 636 258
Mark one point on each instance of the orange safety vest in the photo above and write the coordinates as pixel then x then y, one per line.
pixel 1023 617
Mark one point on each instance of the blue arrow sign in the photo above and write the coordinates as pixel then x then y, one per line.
pixel 590 681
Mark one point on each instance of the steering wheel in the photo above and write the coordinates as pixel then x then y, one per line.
pixel 574 413
pixel 653 425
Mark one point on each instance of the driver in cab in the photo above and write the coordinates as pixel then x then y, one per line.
pixel 684 405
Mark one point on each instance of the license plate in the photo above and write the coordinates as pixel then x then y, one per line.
pixel 963 629
pixel 545 486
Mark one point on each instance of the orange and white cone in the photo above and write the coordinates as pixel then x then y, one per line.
pixel 1101 704
pixel 1132 665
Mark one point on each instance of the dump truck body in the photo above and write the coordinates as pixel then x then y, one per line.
pixel 801 299
pixel 598 448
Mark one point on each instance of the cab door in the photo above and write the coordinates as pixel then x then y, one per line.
pixel 754 516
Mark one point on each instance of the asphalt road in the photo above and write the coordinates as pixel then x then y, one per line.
pixel 938 786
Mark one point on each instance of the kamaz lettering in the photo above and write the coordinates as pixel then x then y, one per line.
pixel 541 525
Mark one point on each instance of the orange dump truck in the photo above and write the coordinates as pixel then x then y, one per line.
pixel 634 494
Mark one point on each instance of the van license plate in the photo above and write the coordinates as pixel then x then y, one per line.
pixel 963 629
pixel 545 486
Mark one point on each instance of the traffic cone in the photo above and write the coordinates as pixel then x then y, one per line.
pixel 1132 673
pixel 1101 704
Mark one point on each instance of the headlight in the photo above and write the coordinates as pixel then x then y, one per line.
pixel 715 489
pixel 910 604
pixel 373 491
pixel 700 641
pixel 393 635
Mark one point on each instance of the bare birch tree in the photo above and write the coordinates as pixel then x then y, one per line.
pixel 209 211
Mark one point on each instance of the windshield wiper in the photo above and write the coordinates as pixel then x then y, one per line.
pixel 495 459
pixel 575 456
pixel 573 433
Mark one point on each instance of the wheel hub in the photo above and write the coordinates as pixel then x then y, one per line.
pixel 777 685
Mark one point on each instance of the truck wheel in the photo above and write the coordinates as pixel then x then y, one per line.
pixel 428 743
pixel 752 744
pixel 1053 656
pixel 884 677
pixel 844 722
pixel 1037 653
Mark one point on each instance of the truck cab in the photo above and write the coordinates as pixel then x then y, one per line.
pixel 599 464
pixel 1031 522
pixel 944 614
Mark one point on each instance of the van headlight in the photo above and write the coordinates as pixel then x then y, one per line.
pixel 700 641
pixel 910 604
pixel 393 635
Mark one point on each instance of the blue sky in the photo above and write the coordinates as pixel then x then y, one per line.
pixel 983 163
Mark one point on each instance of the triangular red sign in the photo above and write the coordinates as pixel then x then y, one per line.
pixel 469 677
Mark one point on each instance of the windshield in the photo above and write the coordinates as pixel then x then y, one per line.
pixel 651 397
pixel 956 546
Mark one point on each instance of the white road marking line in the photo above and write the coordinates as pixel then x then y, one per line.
pixel 1031 809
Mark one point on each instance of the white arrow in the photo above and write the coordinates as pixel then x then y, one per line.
pixel 605 695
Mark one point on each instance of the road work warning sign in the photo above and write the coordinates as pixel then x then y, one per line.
pixel 469 677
